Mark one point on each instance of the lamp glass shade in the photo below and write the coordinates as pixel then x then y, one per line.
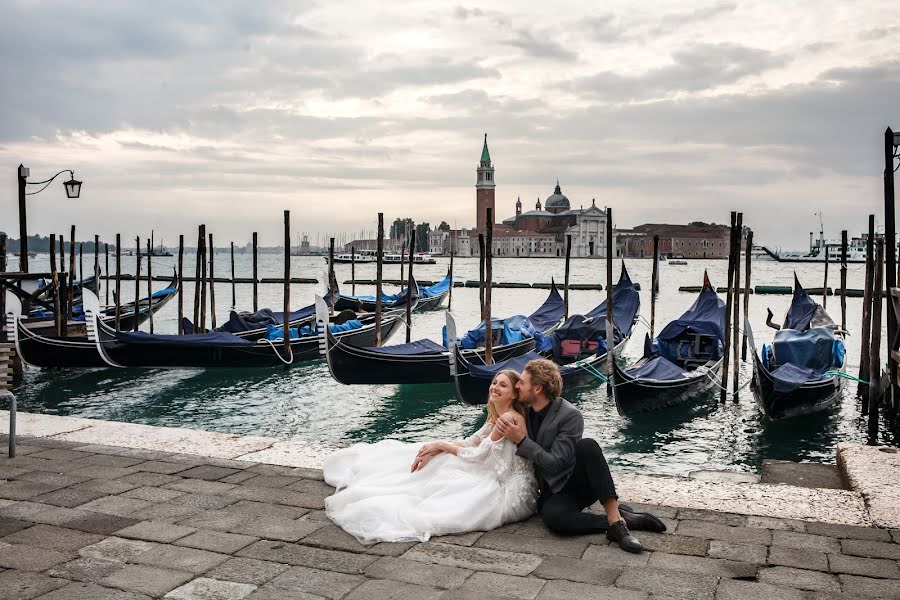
pixel 73 188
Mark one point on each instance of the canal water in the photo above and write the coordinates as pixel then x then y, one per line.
pixel 304 403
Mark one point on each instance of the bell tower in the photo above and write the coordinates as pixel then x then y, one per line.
pixel 484 189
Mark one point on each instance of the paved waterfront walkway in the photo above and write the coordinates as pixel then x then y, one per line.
pixel 101 522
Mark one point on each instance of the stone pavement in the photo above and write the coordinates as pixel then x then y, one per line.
pixel 100 522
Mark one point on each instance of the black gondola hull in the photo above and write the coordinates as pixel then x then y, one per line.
pixel 635 396
pixel 353 365
pixel 808 398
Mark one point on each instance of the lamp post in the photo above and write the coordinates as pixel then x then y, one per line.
pixel 73 190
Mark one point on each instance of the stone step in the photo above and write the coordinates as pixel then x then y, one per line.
pixel 807 475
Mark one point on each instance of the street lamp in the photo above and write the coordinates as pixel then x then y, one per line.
pixel 73 190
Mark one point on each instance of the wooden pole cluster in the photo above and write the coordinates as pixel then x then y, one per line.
pixel 409 286
pixel 747 262
pixel 736 284
pixel 488 279
pixel 118 294
pixel 566 284
pixel 729 297
pixel 890 257
pixel 866 333
pixel 875 346
pixel 255 275
pixel 287 286
pixel 379 264
pixel 610 323
pixel 654 285
pixel 181 285
pixel 844 280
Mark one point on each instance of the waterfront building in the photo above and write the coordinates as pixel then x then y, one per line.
pixel 694 240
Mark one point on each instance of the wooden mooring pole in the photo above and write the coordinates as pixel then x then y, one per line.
pixel 728 309
pixel 610 323
pixel 255 275
pixel 488 278
pixel 844 280
pixel 137 281
pixel 352 270
pixel 202 281
pixel 654 285
pixel 197 281
pixel 54 274
pixel 106 270
pixel 566 284
pixel 332 278
pixel 233 287
pixel 481 273
pixel 286 322
pixel 825 283
pixel 71 299
pixel 81 264
pixel 409 286
pixel 866 334
pixel 379 264
pixel 747 261
pixel 149 284
pixel 450 294
pixel 97 263
pixel 118 294
pixel 212 282
pixel 875 346
pixel 890 259
pixel 180 284
pixel 736 284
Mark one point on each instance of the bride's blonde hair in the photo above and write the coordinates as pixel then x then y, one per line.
pixel 514 378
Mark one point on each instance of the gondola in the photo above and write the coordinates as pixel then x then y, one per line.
pixel 800 372
pixel 217 349
pixel 367 303
pixel 578 347
pixel 682 363
pixel 424 361
pixel 38 345
pixel 430 297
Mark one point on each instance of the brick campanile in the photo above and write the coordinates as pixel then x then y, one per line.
pixel 484 189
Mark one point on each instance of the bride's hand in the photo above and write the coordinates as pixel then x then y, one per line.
pixel 425 454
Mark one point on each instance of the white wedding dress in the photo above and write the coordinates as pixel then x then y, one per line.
pixel 378 500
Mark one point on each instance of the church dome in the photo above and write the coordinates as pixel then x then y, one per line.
pixel 556 201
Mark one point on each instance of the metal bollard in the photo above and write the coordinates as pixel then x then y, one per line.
pixel 12 421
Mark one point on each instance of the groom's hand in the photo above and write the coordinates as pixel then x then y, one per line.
pixel 512 427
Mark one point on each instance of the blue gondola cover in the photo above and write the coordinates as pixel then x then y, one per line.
pixel 202 339
pixel 437 289
pixel 626 304
pixel 549 313
pixel 418 347
pixel 516 363
pixel 658 368
pixel 706 317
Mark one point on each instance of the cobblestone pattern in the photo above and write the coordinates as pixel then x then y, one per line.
pixel 111 523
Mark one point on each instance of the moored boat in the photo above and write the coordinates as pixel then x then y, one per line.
pixel 682 363
pixel 801 371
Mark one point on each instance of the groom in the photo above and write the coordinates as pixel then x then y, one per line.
pixel 572 472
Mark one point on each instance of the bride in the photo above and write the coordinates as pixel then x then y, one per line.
pixel 476 484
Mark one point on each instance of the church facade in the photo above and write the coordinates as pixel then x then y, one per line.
pixel 541 232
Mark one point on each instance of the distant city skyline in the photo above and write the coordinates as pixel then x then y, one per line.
pixel 175 114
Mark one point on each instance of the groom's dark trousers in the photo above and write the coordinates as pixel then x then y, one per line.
pixel 571 472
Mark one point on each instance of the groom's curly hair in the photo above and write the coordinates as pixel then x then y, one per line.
pixel 545 373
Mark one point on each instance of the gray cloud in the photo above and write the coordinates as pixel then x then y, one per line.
pixel 695 68
pixel 605 28
pixel 670 22
pixel 879 33
pixel 541 48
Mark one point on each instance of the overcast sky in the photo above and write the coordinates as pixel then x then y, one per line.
pixel 175 113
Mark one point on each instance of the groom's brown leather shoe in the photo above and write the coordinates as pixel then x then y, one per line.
pixel 641 521
pixel 619 533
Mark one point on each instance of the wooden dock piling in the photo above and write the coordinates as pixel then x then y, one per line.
pixel 81 263
pixel 379 264
pixel 566 284
pixel 353 270
pixel 890 257
pixel 286 322
pixel 488 277
pixel 738 323
pixel 409 286
pixel 71 291
pixel 610 323
pixel 747 261
pixel 180 327
pixel 728 308
pixel 137 281
pixel 149 284
pixel 97 263
pixel 212 282
pixel 255 274
pixel 197 260
pixel 233 286
pixel 875 346
pixel 54 275
pixel 118 294
pixel 106 270
pixel 332 278
pixel 654 285
pixel 202 281
pixel 450 294
pixel 866 333
pixel 481 273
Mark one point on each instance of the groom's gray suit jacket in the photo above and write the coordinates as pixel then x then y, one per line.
pixel 552 448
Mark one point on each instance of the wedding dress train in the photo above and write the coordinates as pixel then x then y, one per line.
pixel 378 500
